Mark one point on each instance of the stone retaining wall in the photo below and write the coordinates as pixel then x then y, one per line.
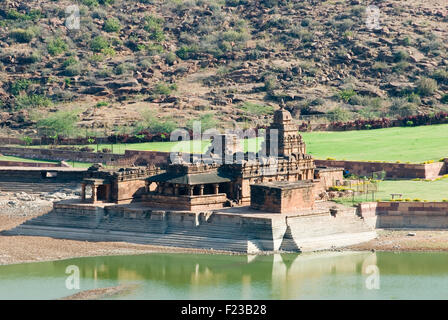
pixel 35 175
pixel 393 170
pixel 129 158
pixel 206 230
pixel 29 164
pixel 61 155
pixel 432 215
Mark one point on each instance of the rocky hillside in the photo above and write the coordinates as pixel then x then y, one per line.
pixel 133 64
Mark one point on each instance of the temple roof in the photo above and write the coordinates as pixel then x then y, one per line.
pixel 191 179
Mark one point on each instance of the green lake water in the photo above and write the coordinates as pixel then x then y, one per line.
pixel 330 275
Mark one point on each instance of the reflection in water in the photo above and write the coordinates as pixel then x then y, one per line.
pixel 339 275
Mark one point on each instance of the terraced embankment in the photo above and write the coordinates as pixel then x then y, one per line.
pixel 234 229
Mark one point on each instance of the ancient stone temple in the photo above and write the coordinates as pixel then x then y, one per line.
pixel 214 182
pixel 189 187
pixel 122 186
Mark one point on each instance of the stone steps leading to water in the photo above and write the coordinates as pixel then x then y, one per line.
pixel 219 231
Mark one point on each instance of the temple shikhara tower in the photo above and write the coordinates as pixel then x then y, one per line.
pixel 283 136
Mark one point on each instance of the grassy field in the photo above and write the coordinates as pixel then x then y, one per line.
pixel 414 144
pixel 183 146
pixel 410 144
pixel 423 190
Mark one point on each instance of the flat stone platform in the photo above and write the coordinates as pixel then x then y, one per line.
pixel 236 229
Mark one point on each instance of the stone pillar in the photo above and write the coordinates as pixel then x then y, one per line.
pixel 94 193
pixel 201 190
pixel 176 189
pixel 83 192
pixel 108 193
pixel 216 188
pixel 190 190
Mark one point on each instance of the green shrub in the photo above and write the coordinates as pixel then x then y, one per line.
pixel 69 61
pixel 256 109
pixel 207 120
pixel 90 3
pixel 163 89
pixel 19 86
pixel 154 48
pixel 124 68
pixel 155 125
pixel 235 3
pixel 407 41
pixel 60 123
pixel 414 98
pixel 401 55
pixel 106 2
pixel 26 101
pixel 102 104
pixel 426 86
pixel 340 114
pixel 112 25
pixel 270 84
pixel 346 95
pixel 441 76
pixel 154 26
pixel 22 35
pixel 339 188
pixel 402 107
pixel 187 52
pixel 380 66
pixel 13 14
pixel 99 43
pixel 72 70
pixel 344 25
pixel 57 46
pixel 444 99
pixel 170 58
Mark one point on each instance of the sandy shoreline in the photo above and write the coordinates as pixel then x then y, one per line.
pixel 25 249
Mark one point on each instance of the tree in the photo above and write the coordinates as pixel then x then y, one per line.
pixel 61 123
pixel 27 140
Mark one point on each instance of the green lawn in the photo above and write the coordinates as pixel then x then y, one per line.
pixel 416 144
pixel 424 190
pixel 413 144
pixel 182 146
